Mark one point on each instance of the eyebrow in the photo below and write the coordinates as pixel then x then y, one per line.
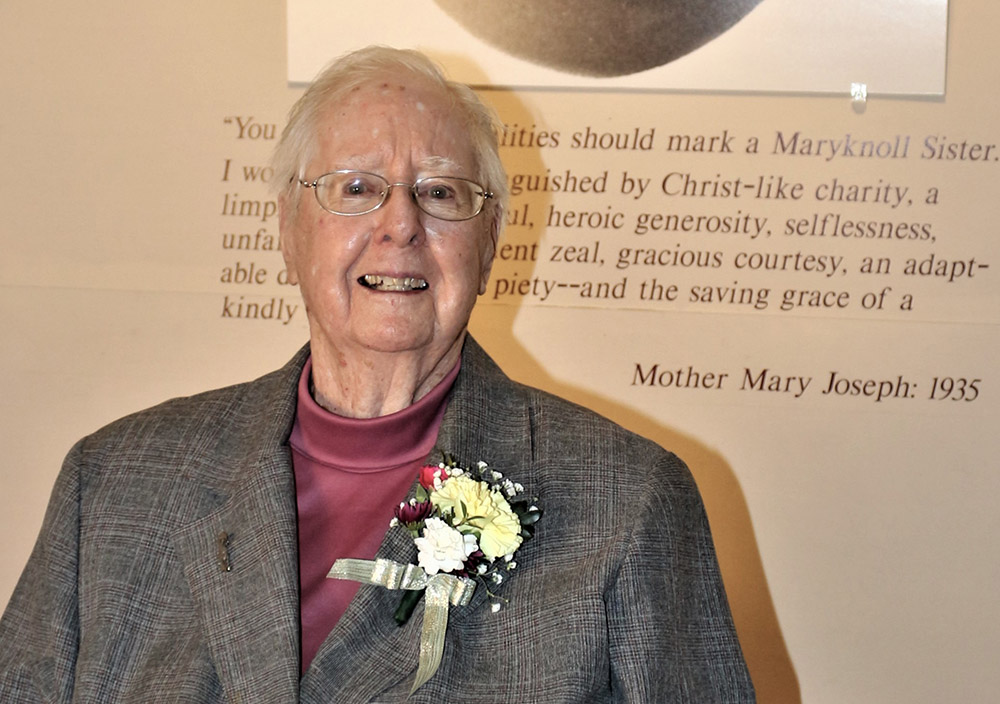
pixel 439 162
pixel 433 164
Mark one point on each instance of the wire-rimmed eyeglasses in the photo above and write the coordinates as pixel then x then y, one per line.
pixel 360 192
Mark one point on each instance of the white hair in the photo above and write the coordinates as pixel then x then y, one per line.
pixel 298 142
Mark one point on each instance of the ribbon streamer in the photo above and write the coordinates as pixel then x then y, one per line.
pixel 441 590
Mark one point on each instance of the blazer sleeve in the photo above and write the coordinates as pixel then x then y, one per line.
pixel 39 629
pixel 671 635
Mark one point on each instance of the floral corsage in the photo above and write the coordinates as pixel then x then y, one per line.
pixel 466 521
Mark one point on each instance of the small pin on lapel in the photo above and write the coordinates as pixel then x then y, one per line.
pixel 222 543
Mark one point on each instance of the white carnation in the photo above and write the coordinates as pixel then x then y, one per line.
pixel 441 548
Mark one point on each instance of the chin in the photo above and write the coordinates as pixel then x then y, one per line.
pixel 396 338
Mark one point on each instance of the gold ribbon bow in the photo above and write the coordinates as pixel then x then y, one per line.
pixel 441 590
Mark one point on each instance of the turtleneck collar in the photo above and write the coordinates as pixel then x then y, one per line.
pixel 368 444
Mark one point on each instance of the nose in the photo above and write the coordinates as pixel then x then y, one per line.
pixel 402 221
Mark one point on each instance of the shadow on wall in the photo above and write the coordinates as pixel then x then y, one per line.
pixel 736 546
pixel 739 557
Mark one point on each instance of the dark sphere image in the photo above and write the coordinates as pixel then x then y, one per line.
pixel 594 37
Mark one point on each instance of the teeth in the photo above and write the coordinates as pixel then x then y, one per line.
pixel 391 283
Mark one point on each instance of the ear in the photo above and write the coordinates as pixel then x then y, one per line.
pixel 489 249
pixel 287 217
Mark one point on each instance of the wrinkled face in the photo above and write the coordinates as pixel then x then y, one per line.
pixel 395 279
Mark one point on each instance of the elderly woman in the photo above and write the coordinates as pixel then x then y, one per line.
pixel 187 550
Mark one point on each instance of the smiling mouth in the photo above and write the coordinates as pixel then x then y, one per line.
pixel 392 283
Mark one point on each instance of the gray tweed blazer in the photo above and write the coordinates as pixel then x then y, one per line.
pixel 126 597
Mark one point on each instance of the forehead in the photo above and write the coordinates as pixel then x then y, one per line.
pixel 391 117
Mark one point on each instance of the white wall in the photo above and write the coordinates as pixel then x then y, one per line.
pixel 857 538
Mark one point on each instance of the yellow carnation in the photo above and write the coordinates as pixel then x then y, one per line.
pixel 476 506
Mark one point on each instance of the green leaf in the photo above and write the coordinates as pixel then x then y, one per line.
pixel 409 601
pixel 529 518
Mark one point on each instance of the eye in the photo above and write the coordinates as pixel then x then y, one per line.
pixel 358 186
pixel 438 191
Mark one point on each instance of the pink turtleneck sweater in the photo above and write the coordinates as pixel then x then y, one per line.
pixel 350 474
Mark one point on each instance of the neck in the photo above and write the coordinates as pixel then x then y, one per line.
pixel 372 384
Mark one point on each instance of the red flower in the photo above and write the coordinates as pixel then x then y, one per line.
pixel 427 473
pixel 408 513
pixel 472 562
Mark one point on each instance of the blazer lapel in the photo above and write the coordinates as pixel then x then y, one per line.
pixel 241 559
pixel 489 422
